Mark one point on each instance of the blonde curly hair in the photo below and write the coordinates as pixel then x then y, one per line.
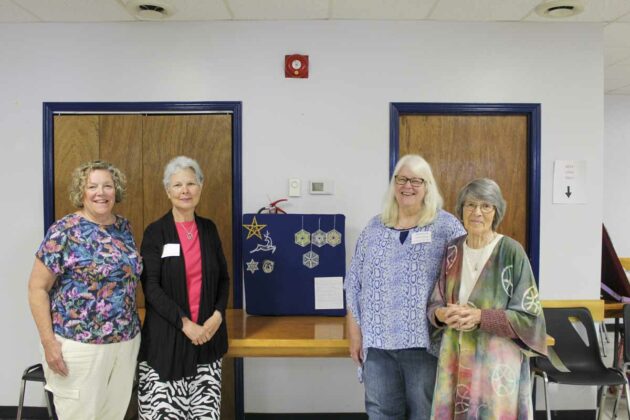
pixel 80 176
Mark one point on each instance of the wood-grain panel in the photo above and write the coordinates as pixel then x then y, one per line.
pixel 460 148
pixel 76 142
pixel 121 144
pixel 207 139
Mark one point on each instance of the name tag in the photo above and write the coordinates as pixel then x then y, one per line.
pixel 170 250
pixel 420 237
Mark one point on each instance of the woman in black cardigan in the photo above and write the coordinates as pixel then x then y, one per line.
pixel 185 282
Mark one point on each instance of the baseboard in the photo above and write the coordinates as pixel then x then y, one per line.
pixel 7 412
pixel 305 416
pixel 41 413
pixel 567 415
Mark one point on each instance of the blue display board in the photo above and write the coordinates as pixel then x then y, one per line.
pixel 294 264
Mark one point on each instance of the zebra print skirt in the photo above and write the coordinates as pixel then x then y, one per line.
pixel 194 397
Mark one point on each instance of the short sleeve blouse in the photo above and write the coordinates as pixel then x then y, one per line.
pixel 93 299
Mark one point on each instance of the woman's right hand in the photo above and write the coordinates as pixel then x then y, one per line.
pixel 356 340
pixel 54 357
pixel 449 315
pixel 195 332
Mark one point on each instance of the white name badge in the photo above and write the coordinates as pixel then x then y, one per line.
pixel 170 250
pixel 421 237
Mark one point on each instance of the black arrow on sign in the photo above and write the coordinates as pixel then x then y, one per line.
pixel 568 193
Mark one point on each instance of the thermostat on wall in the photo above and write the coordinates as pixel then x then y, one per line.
pixel 321 186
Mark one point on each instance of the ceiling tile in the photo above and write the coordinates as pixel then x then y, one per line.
pixel 10 12
pixel 618 71
pixel 617 35
pixel 279 9
pixel 612 84
pixel 620 91
pixel 76 10
pixel 381 9
pixel 483 10
pixel 200 10
pixel 615 9
pixel 614 55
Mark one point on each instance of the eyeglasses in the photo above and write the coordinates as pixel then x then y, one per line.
pixel 484 207
pixel 415 182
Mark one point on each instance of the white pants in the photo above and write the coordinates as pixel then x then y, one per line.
pixel 99 381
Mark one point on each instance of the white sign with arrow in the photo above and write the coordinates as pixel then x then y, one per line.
pixel 569 182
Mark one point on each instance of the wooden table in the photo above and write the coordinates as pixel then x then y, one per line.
pixel 285 336
pixel 289 336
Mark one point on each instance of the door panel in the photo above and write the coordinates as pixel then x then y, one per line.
pixel 120 143
pixel 76 141
pixel 460 148
pixel 140 145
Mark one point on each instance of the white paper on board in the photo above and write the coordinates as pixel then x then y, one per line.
pixel 328 293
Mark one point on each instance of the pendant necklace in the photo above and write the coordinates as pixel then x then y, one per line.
pixel 189 233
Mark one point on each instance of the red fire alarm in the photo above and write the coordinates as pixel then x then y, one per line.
pixel 296 66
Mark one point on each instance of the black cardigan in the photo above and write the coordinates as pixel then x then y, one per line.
pixel 164 345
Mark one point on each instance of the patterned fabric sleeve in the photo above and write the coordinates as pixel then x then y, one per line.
pixel 51 252
pixel 353 278
pixel 524 311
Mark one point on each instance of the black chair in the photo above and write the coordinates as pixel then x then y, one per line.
pixel 574 359
pixel 626 349
pixel 34 373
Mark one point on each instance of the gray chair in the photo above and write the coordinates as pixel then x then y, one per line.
pixel 34 373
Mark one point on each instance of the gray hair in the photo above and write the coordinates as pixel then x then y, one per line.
pixel 482 189
pixel 179 163
pixel 432 202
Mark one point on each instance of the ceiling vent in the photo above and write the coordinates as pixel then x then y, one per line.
pixel 559 9
pixel 150 9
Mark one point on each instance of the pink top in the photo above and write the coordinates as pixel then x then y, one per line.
pixel 189 238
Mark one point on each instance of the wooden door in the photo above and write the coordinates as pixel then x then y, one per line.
pixel 141 145
pixel 460 148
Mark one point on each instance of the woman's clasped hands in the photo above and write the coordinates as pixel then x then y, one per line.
pixel 201 334
pixel 459 317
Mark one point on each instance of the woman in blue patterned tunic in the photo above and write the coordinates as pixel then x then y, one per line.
pixel 393 270
pixel 82 293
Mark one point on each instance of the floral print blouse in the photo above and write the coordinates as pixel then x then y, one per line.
pixel 93 299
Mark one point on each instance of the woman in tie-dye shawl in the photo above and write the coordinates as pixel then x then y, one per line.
pixel 485 307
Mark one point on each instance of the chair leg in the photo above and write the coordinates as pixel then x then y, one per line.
pixel 627 397
pixel 49 404
pixel 21 403
pixel 545 383
pixel 602 334
pixel 602 399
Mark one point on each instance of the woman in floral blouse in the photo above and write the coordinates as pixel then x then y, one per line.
pixel 82 293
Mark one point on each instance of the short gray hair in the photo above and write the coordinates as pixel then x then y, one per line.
pixel 179 163
pixel 482 189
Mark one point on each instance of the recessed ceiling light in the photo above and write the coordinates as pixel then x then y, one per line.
pixel 559 9
pixel 150 9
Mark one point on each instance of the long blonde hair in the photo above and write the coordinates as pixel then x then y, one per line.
pixel 432 202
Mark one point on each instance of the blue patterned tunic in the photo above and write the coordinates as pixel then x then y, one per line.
pixel 388 283
pixel 93 299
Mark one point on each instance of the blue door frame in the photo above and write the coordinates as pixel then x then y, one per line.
pixel 234 108
pixel 531 111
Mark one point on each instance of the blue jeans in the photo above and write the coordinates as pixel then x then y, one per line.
pixel 399 384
